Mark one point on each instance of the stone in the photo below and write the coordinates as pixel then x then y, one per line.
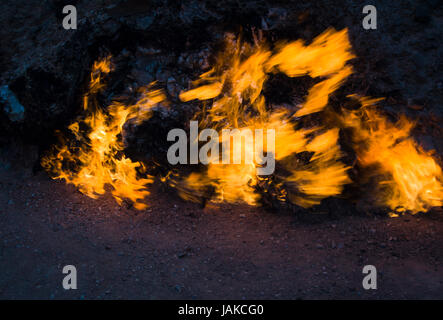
pixel 13 108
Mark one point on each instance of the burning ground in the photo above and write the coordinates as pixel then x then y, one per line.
pixel 346 160
pixel 405 177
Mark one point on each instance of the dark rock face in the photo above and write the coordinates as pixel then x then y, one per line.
pixel 47 68
pixel 13 109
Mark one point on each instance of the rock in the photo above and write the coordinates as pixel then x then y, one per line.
pixel 422 13
pixel 12 107
pixel 426 142
pixel 172 87
pixel 276 16
pixel 111 26
pixel 144 23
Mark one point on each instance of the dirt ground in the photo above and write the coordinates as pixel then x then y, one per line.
pixel 177 250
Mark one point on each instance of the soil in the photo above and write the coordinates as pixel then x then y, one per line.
pixel 178 250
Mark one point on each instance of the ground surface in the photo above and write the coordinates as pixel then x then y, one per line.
pixel 176 250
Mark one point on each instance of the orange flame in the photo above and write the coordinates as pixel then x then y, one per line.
pixel 326 56
pixel 413 177
pixel 99 160
pixel 232 91
pixel 235 84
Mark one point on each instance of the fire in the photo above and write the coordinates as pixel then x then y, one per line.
pixel 309 159
pixel 235 84
pixel 412 178
pixel 95 159
pixel 326 56
pixel 324 176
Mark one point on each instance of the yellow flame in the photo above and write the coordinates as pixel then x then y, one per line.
pixel 324 176
pixel 98 159
pixel 413 177
pixel 326 56
pixel 235 84
pixel 233 91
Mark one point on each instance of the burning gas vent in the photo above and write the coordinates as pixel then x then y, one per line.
pixel 309 159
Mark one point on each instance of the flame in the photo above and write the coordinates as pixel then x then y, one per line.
pixel 413 179
pixel 96 159
pixel 325 175
pixel 310 166
pixel 326 56
pixel 235 84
